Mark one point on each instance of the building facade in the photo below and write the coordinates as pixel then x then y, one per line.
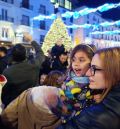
pixel 16 15
pixel 15 19
pixel 83 35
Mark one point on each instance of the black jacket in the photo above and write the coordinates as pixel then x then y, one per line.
pixel 3 63
pixel 21 76
pixel 57 65
pixel 57 50
pixel 105 115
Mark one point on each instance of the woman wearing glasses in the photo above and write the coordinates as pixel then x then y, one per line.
pixel 104 75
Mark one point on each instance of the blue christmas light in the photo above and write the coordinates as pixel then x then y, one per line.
pixel 96 26
pixel 77 14
pixel 106 32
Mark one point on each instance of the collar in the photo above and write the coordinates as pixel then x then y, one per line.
pixel 77 79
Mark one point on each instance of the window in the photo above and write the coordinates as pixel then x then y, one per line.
pixel 4 0
pixel 42 25
pixel 62 2
pixel 71 19
pixel 42 9
pixel 87 35
pixel 5 32
pixel 42 39
pixel 47 13
pixel 71 30
pixel 4 14
pixel 68 4
pixel 25 20
pixel 25 4
pixel 53 1
pixel 88 16
pixel 88 22
pixel 115 38
pixel 64 19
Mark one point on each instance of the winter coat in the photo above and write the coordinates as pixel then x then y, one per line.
pixel 3 63
pixel 30 111
pixel 21 76
pixel 57 65
pixel 105 115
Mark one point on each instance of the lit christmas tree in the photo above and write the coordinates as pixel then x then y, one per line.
pixel 57 31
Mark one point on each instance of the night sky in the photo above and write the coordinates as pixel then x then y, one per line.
pixel 113 14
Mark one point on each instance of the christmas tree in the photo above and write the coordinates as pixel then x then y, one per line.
pixel 57 31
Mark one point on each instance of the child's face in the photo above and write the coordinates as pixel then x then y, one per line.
pixel 42 78
pixel 80 63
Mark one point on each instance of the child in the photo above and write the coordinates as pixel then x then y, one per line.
pixel 54 78
pixel 42 78
pixel 75 87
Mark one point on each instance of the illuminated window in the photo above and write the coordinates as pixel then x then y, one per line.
pixel 67 4
pixel 5 32
pixel 53 1
pixel 62 2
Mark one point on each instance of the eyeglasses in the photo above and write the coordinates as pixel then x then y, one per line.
pixel 93 70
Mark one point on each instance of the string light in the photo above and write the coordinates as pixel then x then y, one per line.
pixel 77 14
pixel 106 32
pixel 103 24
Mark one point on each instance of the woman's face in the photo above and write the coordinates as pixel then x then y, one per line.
pixel 96 74
pixel 80 63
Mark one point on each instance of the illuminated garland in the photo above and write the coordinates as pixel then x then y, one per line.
pixel 77 14
pixel 106 32
pixel 104 24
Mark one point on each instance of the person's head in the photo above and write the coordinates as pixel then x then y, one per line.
pixel 18 53
pixel 3 51
pixel 80 58
pixel 54 78
pixel 42 78
pixel 63 57
pixel 59 42
pixel 104 72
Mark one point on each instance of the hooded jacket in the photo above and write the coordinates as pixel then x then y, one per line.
pixel 30 110
pixel 105 115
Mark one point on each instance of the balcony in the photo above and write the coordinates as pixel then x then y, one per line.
pixel 9 19
pixel 8 1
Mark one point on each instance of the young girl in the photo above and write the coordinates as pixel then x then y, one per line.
pixel 75 87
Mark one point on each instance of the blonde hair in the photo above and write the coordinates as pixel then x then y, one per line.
pixel 110 58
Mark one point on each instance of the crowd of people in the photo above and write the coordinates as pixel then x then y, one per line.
pixel 64 90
